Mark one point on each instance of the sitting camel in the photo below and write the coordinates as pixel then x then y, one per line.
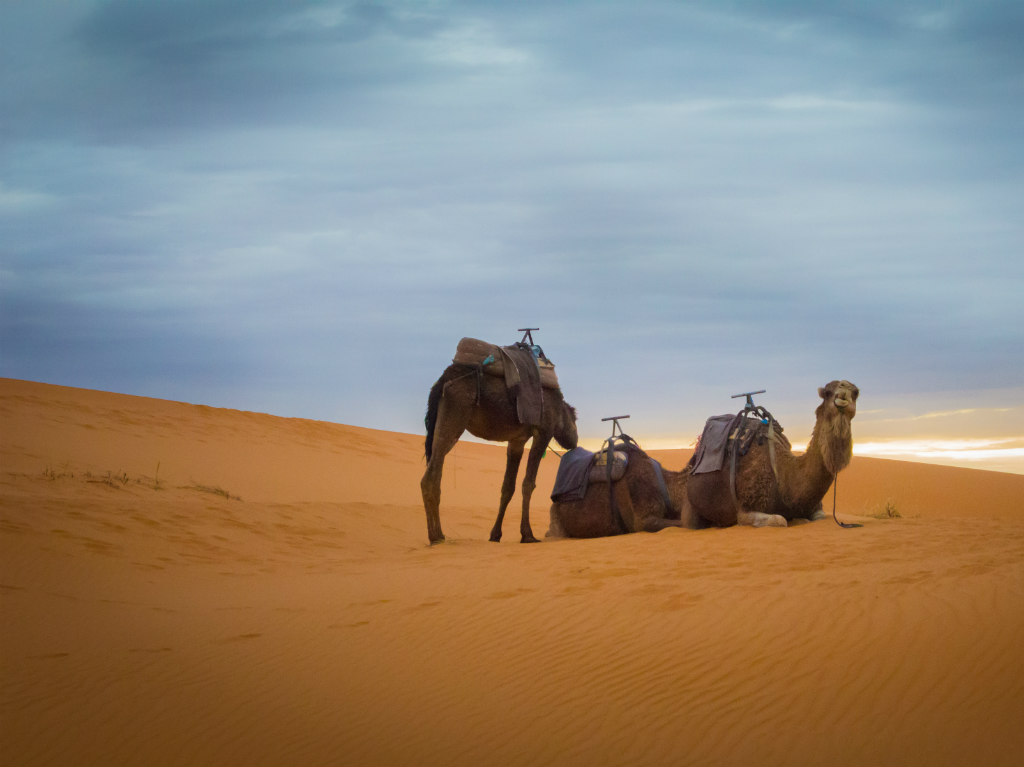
pixel 772 485
pixel 639 504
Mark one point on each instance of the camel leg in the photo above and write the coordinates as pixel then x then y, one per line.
pixel 529 483
pixel 555 529
pixel 513 457
pixel 760 519
pixel 689 518
pixel 653 524
pixel 430 487
pixel 446 434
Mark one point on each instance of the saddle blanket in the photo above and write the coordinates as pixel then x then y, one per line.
pixel 579 467
pixel 522 377
pixel 720 430
pixel 710 455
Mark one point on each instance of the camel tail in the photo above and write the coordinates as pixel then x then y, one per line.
pixel 430 421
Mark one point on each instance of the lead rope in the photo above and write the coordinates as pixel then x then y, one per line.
pixel 835 491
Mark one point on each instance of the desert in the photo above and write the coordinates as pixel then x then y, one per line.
pixel 187 585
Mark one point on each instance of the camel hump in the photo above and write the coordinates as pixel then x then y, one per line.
pixel 473 351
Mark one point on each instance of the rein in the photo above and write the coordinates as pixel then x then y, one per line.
pixel 835 491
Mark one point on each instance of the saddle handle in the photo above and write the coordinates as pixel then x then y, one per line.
pixel 615 423
pixel 750 397
pixel 528 337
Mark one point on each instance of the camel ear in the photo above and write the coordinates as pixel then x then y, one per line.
pixel 821 392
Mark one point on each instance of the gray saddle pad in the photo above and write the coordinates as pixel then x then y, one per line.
pixel 572 476
pixel 710 455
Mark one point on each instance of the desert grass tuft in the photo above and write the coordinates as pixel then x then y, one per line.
pixel 213 490
pixel 888 511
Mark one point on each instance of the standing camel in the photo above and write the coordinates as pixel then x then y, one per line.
pixel 768 495
pixel 463 399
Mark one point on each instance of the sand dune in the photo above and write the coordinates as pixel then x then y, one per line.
pixel 189 585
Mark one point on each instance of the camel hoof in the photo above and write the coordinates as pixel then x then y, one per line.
pixel 495 538
pixel 819 514
pixel 529 539
pixel 435 541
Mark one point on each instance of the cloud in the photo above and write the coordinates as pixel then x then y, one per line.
pixel 994 454
pixel 691 199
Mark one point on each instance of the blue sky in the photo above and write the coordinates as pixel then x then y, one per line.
pixel 300 207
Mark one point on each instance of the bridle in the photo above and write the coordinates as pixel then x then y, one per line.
pixel 835 492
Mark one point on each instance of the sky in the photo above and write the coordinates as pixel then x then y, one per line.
pixel 299 207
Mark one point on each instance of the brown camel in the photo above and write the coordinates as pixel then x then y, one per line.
pixel 794 490
pixel 703 500
pixel 639 503
pixel 463 399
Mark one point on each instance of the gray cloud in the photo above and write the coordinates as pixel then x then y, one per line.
pixel 300 207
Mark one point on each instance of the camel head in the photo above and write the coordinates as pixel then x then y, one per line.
pixel 832 426
pixel 565 429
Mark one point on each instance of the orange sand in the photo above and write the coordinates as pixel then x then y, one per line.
pixel 183 585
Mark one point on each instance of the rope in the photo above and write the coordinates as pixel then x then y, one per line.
pixel 835 492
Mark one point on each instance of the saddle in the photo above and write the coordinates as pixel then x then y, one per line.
pixel 527 372
pixel 472 351
pixel 731 437
pixel 580 467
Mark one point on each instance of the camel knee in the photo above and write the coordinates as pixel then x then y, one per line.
pixel 760 519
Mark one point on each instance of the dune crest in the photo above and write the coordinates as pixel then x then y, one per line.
pixel 190 585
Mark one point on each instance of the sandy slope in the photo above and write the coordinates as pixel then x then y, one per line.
pixel 187 585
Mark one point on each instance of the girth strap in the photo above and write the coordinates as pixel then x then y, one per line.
pixel 661 485
pixel 609 446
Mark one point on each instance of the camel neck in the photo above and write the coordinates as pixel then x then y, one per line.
pixel 805 479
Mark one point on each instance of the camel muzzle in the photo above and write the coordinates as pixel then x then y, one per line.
pixel 842 404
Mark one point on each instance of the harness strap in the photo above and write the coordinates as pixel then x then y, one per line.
pixel 737 448
pixel 478 371
pixel 771 448
pixel 609 447
pixel 661 485
pixel 733 457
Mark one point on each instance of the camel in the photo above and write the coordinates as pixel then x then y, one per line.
pixel 639 503
pixel 793 489
pixel 463 399
pixel 765 498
